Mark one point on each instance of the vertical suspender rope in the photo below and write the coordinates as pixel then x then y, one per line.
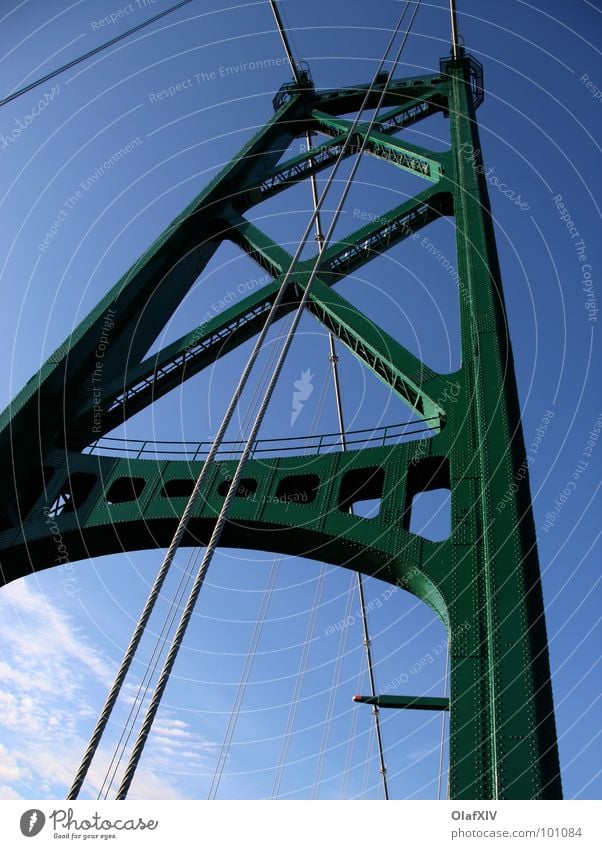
pixel 221 520
pixel 336 678
pixel 352 735
pixel 360 586
pixel 295 698
pixel 238 700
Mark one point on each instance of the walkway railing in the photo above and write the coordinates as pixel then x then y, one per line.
pixel 318 444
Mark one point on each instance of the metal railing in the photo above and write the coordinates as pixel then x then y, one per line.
pixel 288 445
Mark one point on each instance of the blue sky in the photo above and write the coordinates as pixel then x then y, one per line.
pixel 62 634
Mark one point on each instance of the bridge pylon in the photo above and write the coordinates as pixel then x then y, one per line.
pixel 483 581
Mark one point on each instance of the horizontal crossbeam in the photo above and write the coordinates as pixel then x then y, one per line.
pixel 397 92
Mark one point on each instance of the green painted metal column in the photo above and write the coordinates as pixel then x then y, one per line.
pixel 502 730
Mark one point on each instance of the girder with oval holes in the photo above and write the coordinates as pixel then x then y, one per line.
pixel 483 581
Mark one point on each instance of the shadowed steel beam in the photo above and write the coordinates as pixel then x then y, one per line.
pixel 410 702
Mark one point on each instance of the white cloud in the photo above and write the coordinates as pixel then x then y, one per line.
pixel 7 792
pixel 53 683
pixel 10 770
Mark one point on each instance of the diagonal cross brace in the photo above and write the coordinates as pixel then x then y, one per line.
pixel 410 157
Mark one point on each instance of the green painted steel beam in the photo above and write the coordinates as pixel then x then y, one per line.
pixel 410 157
pixel 346 100
pixel 324 155
pixel 152 378
pixel 413 381
pixel 384 232
pixel 147 381
pixel 405 702
pixel 407 114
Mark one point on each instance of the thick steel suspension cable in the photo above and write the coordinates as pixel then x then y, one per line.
pixel 169 620
pixel 285 41
pixel 192 501
pixel 151 667
pixel 72 64
pixel 338 399
pixel 221 520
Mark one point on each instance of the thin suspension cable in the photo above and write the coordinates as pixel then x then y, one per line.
pixel 118 682
pixel 336 678
pixel 338 398
pixel 360 583
pixel 334 359
pixel 360 586
pixel 292 713
pixel 242 686
pixel 443 713
pixel 90 53
pixel 370 666
pixel 217 776
pixel 368 762
pixel 352 732
pixel 221 520
pixel 186 575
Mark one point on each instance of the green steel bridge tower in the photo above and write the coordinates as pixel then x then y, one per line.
pixel 483 581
